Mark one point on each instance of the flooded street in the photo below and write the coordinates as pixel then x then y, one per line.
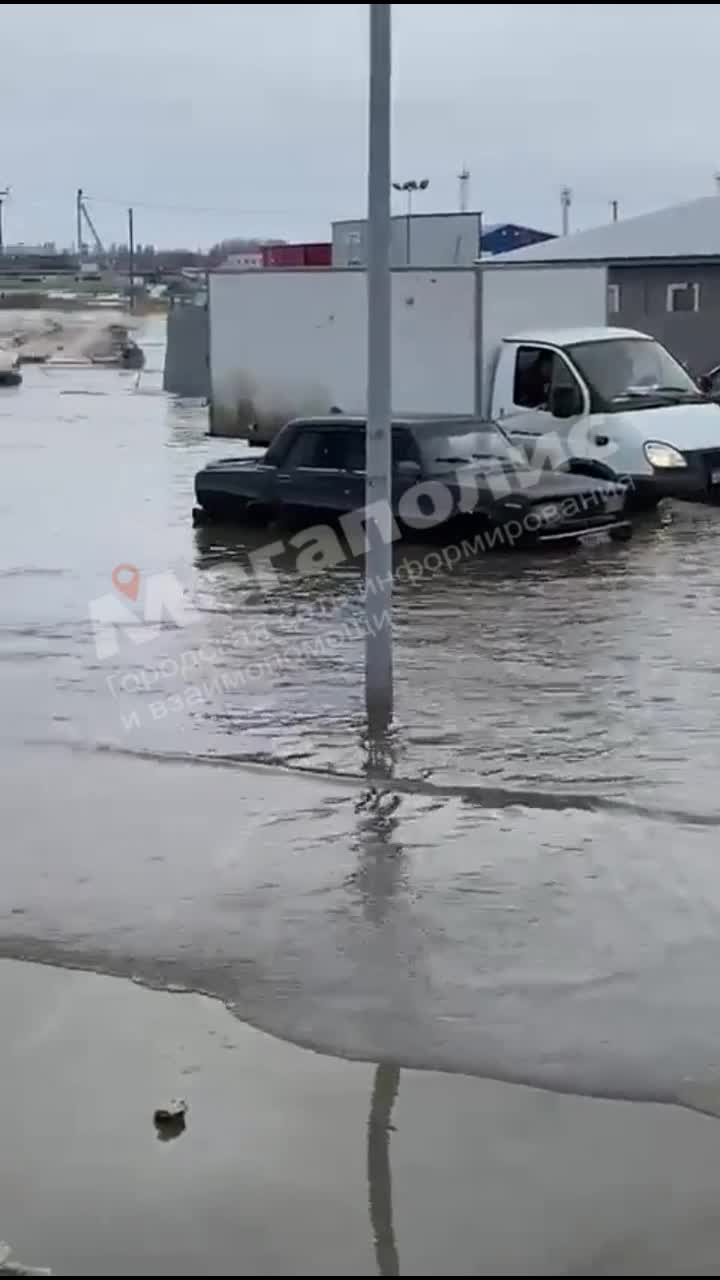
pixel 531 892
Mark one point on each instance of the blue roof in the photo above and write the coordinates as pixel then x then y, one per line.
pixel 502 237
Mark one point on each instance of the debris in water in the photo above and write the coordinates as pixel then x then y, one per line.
pixel 9 1266
pixel 170 1121
pixel 665 511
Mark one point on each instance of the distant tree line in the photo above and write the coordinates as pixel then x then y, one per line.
pixel 148 258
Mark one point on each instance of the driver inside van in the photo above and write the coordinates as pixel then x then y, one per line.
pixel 539 379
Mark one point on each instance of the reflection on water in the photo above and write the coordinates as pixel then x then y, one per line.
pixel 521 879
pixel 380 861
pixel 377 881
pixel 384 1094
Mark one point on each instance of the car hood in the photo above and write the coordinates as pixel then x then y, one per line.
pixel 557 485
pixel 508 481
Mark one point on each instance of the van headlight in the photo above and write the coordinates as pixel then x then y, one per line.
pixel 663 455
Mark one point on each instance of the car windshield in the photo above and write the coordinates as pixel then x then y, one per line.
pixel 446 448
pixel 628 368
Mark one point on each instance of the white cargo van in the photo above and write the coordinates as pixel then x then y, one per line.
pixel 528 344
pixel 614 395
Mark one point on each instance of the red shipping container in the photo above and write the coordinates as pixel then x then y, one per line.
pixel 283 255
pixel 318 255
pixel 297 255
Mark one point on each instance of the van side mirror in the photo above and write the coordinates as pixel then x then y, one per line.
pixel 565 402
pixel 704 383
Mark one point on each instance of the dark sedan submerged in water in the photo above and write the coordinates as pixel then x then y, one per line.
pixel 444 470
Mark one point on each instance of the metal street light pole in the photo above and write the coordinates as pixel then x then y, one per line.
pixel 565 202
pixel 409 188
pixel 131 257
pixel 3 196
pixel 378 492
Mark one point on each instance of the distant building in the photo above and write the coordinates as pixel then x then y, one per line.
pixel 313 254
pixel 432 240
pixel 663 274
pixel 36 261
pixel 21 250
pixel 249 259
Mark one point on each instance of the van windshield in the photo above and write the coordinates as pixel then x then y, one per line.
pixel 632 368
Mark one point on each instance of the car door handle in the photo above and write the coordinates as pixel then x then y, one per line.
pixel 284 479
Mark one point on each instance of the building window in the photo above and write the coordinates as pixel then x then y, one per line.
pixel 613 299
pixel 683 297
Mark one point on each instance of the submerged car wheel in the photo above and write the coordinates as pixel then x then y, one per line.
pixel 622 534
pixel 219 507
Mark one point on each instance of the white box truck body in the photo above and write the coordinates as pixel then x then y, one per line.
pixel 284 343
pixel 527 344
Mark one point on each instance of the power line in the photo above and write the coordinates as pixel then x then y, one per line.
pixel 36 201
pixel 188 208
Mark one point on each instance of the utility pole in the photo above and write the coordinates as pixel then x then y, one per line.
pixel 565 202
pixel 378 490
pixel 614 207
pixel 463 188
pixel 78 222
pixel 131 258
pixel 4 193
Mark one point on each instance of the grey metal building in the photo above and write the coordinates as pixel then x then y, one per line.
pixel 432 239
pixel 663 274
pixel 418 240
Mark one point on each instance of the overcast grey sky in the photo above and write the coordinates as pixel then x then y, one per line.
pixel 257 113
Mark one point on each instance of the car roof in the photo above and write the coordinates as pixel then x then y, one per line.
pixel 413 421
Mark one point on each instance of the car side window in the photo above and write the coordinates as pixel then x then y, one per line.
pixel 303 450
pixel 319 449
pixel 343 450
pixel 354 450
pixel 404 448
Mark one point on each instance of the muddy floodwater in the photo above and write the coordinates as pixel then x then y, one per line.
pixel 530 888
